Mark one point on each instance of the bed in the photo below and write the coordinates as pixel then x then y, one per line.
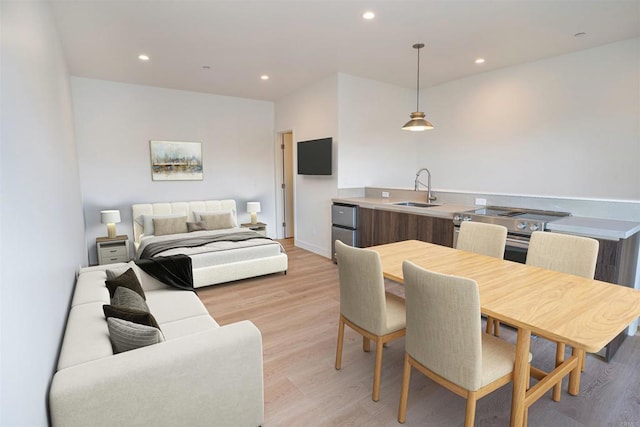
pixel 230 252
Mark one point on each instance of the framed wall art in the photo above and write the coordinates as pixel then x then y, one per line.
pixel 176 160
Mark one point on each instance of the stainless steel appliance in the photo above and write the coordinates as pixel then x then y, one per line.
pixel 344 226
pixel 520 224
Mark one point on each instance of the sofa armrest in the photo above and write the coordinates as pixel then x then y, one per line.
pixel 210 378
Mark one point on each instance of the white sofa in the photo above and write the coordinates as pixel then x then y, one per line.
pixel 203 374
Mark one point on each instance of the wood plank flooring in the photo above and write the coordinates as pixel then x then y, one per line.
pixel 297 314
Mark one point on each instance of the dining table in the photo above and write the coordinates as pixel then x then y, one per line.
pixel 583 313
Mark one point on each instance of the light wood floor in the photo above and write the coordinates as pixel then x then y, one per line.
pixel 298 316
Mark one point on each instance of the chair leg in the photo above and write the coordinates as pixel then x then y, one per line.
pixel 557 389
pixel 584 362
pixel 340 342
pixel 470 414
pixel 366 344
pixel 377 369
pixel 404 391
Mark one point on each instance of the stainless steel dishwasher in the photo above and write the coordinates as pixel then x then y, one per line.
pixel 344 226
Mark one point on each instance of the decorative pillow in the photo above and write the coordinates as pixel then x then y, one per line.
pixel 217 220
pixel 136 316
pixel 147 222
pixel 114 272
pixel 125 297
pixel 164 226
pixel 195 226
pixel 125 335
pixel 198 215
pixel 128 280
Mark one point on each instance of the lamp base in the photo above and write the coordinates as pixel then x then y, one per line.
pixel 254 218
pixel 111 230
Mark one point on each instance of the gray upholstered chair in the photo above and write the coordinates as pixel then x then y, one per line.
pixel 364 305
pixel 445 342
pixel 567 254
pixel 484 239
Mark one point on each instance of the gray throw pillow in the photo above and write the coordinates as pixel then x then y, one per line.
pixel 127 335
pixel 125 297
pixel 165 226
pixel 195 226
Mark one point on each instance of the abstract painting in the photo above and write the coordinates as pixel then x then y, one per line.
pixel 176 161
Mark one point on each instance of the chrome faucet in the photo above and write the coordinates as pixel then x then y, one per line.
pixel 417 183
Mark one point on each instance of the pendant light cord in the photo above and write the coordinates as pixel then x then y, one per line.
pixel 418 85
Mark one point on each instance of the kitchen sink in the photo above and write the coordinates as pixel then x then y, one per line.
pixel 416 204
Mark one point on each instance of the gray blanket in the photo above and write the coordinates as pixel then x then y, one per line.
pixel 153 249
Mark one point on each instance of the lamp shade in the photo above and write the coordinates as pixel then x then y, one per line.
pixel 110 217
pixel 253 207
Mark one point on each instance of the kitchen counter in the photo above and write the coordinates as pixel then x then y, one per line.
pixel 595 227
pixel 443 211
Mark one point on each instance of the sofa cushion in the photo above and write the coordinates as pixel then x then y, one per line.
pixel 168 305
pixel 86 337
pixel 189 326
pixel 90 288
pixel 131 315
pixel 125 297
pixel 128 279
pixel 127 335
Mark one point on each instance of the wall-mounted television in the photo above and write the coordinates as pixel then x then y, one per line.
pixel 314 157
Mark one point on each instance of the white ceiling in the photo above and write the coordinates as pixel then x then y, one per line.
pixel 299 42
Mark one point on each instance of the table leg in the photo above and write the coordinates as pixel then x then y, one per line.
pixel 520 378
pixel 574 377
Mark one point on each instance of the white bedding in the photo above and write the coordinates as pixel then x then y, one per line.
pixel 216 252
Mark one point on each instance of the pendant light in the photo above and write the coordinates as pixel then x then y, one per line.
pixel 417 122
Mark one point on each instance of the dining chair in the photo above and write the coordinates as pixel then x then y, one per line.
pixel 567 254
pixel 484 239
pixel 365 306
pixel 445 341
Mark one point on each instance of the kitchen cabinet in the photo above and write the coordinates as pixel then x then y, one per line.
pixel 379 226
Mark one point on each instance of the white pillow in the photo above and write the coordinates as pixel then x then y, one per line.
pixel 147 222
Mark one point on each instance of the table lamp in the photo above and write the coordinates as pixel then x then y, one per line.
pixel 253 208
pixel 111 217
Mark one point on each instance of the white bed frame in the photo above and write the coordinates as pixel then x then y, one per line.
pixel 214 274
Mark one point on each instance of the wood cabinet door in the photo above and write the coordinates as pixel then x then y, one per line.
pixel 364 227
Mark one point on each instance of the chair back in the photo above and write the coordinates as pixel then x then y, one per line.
pixel 564 253
pixel 482 238
pixel 362 294
pixel 443 324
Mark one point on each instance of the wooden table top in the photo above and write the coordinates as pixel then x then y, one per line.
pixel 581 312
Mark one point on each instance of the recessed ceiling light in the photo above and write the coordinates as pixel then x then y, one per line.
pixel 368 15
pixel 206 67
pixel 143 57
pixel 264 77
pixel 480 61
pixel 581 34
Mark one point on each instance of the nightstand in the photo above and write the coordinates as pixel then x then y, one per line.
pixel 259 227
pixel 112 250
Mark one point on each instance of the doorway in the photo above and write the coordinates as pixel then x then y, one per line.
pixel 287 194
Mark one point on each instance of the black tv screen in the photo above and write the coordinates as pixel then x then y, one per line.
pixel 314 157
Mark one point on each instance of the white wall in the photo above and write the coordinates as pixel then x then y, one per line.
pixel 42 241
pixel 114 123
pixel 312 113
pixel 374 150
pixel 562 126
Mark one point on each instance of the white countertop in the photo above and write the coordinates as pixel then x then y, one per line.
pixel 595 227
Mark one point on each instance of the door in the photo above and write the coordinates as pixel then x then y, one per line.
pixel 287 187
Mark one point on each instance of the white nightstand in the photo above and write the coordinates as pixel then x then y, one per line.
pixel 112 250
pixel 259 227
